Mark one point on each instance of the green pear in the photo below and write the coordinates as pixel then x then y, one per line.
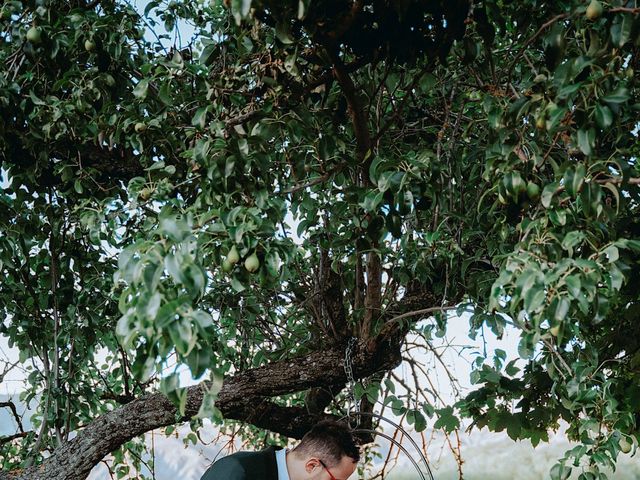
pixel 594 10
pixel 227 266
pixel 232 256
pixel 252 263
pixel 34 35
pixel 625 445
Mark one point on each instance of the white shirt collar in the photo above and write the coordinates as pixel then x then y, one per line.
pixel 281 460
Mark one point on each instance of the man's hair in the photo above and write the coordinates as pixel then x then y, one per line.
pixel 329 441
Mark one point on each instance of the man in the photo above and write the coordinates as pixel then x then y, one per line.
pixel 326 452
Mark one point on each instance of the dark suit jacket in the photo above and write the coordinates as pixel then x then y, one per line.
pixel 245 466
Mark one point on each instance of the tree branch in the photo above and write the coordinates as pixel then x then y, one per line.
pixel 530 40
pixel 10 438
pixel 356 109
pixel 245 397
pixel 11 406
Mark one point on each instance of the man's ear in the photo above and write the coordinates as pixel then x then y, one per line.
pixel 310 464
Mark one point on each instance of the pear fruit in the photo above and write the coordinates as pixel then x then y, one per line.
pixel 533 191
pixel 227 266
pixel 594 10
pixel 232 256
pixel 34 35
pixel 252 263
pixel 625 445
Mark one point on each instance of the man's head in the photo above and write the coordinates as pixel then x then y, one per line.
pixel 327 452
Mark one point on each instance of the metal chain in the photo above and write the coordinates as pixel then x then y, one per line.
pixel 351 382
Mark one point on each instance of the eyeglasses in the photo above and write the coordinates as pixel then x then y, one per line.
pixel 328 471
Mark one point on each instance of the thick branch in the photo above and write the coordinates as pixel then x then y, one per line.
pixel 356 108
pixel 373 299
pixel 75 458
pixel 244 397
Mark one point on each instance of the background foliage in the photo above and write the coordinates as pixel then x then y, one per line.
pixel 178 201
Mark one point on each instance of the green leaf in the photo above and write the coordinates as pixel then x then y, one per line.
pixel 574 178
pixel 35 99
pixel 620 95
pixel 560 472
pixel 174 268
pixel 416 418
pixel 153 305
pixel 201 150
pixel 574 285
pixel 165 93
pixel 175 228
pixel 372 200
pixel 586 140
pixel 199 361
pixel 141 89
pixel 562 308
pixel 182 336
pixel 302 8
pixel 207 56
pixel 621 29
pixel 590 199
pixel 555 114
pixel 427 82
pixel 237 285
pixel 547 194
pixel 572 239
pixel 150 6
pixel 604 116
pixel 283 33
pixel 291 66
pixel 200 117
pixel 397 407
pixel 568 90
pixel 525 348
pixel 446 420
pixel 511 369
pixel 616 278
pixel 612 254
pixel 534 298
pixel 203 319
pixel 272 262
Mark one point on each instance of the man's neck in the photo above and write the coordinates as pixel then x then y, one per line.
pixel 291 466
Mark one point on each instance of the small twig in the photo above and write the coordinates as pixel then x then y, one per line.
pixel 394 117
pixel 557 354
pixel 421 312
pixel 452 378
pixel 10 438
pixel 313 182
pixel 632 10
pixel 7 369
pixel 618 180
pixel 530 40
pixel 12 406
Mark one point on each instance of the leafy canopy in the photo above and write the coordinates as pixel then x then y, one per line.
pixel 180 201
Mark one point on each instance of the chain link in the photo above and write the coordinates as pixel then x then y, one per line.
pixel 351 382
